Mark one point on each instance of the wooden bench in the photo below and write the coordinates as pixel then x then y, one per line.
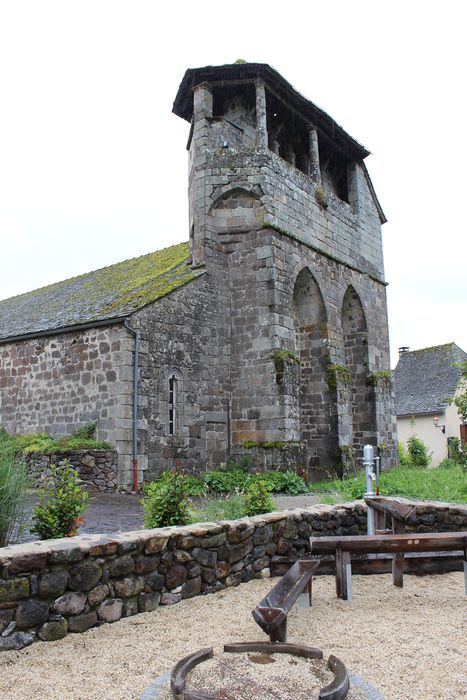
pixel 398 512
pixel 271 612
pixel 397 545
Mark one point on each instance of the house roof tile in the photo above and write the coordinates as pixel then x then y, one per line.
pixel 425 380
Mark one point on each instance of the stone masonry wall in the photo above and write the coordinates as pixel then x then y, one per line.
pixel 187 332
pixel 97 468
pixel 48 589
pixel 60 383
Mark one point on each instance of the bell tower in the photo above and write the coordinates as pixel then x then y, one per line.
pixel 284 216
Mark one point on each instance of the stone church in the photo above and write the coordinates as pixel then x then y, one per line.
pixel 266 334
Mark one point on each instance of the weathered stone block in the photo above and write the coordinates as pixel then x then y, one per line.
pixel 156 544
pixel 239 551
pixel 81 623
pixel 170 598
pixel 122 566
pixel 147 602
pixel 70 604
pixel 51 631
pixel 144 564
pixel 6 617
pixel 98 594
pixel 53 584
pixel 175 576
pixel 155 581
pixel 191 587
pixel 16 641
pixel 130 607
pixel 34 561
pixel 204 557
pixel 110 610
pixel 84 576
pixel 237 535
pixel 30 613
pixel 223 569
pixel 13 589
pixel 128 587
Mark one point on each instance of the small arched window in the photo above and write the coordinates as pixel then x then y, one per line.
pixel 173 404
pixel 174 381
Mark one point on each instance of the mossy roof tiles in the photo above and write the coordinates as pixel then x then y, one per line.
pixel 109 293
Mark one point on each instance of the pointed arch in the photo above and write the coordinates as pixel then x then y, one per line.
pixel 316 400
pixel 362 408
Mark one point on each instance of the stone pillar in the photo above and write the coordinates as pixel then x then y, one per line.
pixel 202 110
pixel 291 154
pixel 202 101
pixel 261 125
pixel 315 171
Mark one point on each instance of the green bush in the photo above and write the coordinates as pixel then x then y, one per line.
pixel 228 481
pixel 284 482
pixel 13 484
pixel 220 508
pixel 60 509
pixel 456 452
pixel 166 501
pixel 418 452
pixel 258 498
pixel 404 457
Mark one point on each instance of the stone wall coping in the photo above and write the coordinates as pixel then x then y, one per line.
pixel 80 545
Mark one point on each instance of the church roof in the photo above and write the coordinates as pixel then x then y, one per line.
pixel 425 380
pixel 111 293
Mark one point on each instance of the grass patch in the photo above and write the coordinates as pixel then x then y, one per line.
pixel 447 482
pixel 220 508
pixel 43 443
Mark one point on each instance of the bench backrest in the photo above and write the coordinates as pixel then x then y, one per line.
pixel 418 542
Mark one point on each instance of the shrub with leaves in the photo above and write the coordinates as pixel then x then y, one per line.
pixel 60 509
pixel 284 482
pixel 13 483
pixel 258 498
pixel 228 481
pixel 418 452
pixel 404 457
pixel 166 501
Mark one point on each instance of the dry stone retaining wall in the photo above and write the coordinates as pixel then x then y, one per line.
pixel 97 468
pixel 48 589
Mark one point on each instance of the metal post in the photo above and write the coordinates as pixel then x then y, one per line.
pixel 368 463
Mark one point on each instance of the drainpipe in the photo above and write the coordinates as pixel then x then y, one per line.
pixel 136 338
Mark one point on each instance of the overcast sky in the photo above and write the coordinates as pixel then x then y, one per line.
pixel 93 166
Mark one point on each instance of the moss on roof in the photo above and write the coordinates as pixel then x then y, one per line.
pixel 111 292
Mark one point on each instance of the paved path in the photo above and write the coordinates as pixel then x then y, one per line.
pixel 109 512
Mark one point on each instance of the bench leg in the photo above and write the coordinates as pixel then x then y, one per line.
pixel 280 633
pixel 465 571
pixel 398 569
pixel 343 574
pixel 305 596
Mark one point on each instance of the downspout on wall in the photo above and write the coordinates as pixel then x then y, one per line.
pixel 136 340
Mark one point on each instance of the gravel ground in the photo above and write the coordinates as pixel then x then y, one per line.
pixel 409 642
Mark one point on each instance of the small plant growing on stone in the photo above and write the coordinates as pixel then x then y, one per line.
pixel 166 501
pixel 60 509
pixel 258 498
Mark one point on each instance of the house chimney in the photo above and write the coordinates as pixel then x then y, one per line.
pixel 403 350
